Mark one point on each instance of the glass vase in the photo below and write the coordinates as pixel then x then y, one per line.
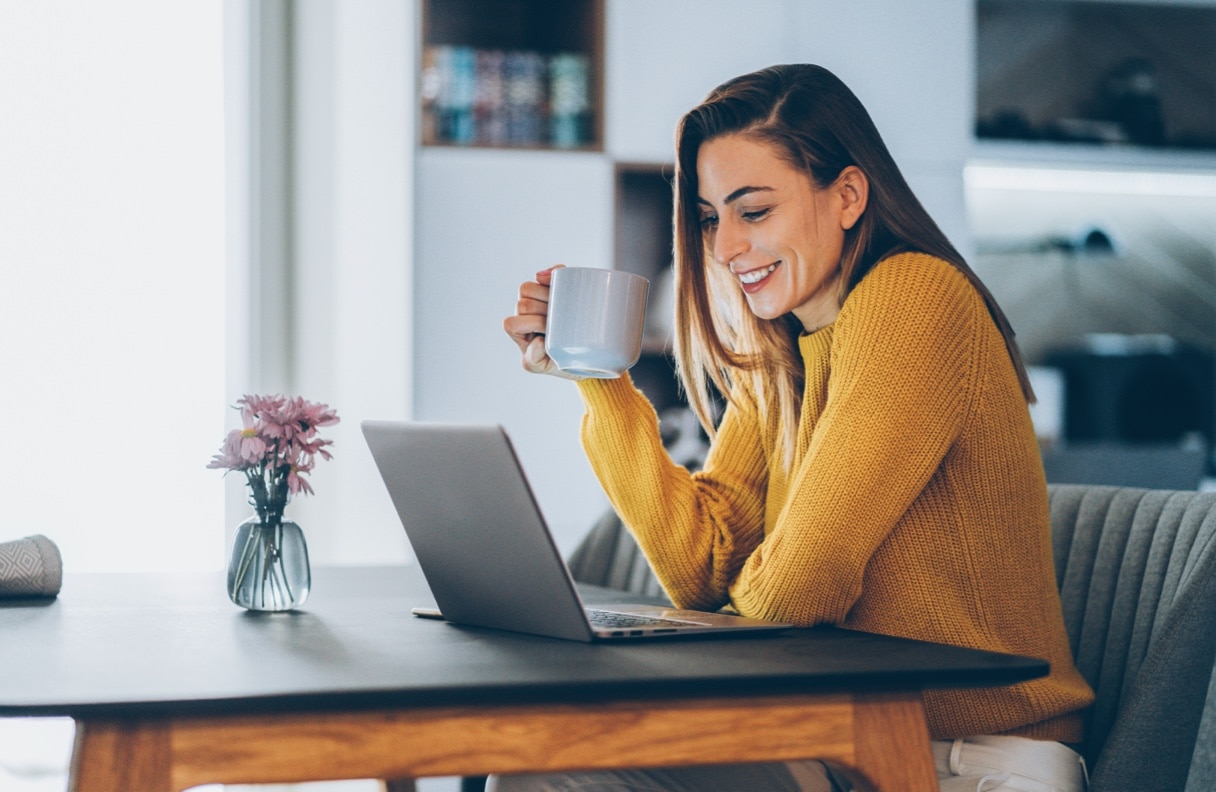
pixel 268 569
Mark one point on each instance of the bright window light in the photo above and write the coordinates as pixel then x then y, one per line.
pixel 112 308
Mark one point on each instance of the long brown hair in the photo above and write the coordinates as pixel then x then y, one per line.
pixel 813 120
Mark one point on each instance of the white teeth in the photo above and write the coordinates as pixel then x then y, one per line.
pixel 757 275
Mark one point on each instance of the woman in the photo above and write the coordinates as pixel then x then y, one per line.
pixel 875 466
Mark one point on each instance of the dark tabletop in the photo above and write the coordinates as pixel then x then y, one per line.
pixel 115 644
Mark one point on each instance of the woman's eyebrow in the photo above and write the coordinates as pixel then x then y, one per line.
pixel 737 194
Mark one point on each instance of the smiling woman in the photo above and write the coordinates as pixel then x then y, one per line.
pixel 875 466
pixel 112 305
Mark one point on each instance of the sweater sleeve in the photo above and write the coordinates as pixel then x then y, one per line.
pixel 695 529
pixel 902 377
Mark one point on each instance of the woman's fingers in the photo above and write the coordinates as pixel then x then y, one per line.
pixel 535 359
pixel 523 328
pixel 531 300
pixel 545 276
pixel 527 326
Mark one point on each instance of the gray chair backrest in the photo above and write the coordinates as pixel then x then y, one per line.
pixel 609 556
pixel 1137 576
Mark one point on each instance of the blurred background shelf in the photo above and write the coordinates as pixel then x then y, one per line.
pixel 512 73
pixel 1079 72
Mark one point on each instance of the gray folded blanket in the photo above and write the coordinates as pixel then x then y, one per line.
pixel 30 567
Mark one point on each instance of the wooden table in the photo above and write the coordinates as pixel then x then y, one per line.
pixel 171 686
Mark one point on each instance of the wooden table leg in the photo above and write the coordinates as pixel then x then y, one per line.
pixel 120 756
pixel 891 744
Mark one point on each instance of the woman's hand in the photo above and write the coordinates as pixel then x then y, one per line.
pixel 527 326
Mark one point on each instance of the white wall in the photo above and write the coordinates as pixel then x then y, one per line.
pixel 662 58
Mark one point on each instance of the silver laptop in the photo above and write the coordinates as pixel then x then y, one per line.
pixel 483 545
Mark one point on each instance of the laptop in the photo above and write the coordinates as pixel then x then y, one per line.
pixel 485 550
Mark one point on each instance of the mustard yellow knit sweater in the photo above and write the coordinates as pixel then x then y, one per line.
pixel 915 504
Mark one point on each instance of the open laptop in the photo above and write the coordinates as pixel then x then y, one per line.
pixel 485 549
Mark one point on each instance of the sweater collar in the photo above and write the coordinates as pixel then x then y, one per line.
pixel 817 344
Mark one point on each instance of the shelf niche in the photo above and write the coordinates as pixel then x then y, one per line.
pixel 523 74
pixel 643 245
pixel 1111 73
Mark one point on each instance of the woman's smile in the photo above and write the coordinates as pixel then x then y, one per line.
pixel 753 280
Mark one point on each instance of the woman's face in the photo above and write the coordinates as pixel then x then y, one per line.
pixel 780 236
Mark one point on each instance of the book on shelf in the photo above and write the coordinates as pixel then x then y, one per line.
pixel 448 89
pixel 569 100
pixel 490 97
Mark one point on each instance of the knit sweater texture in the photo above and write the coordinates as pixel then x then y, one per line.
pixel 915 503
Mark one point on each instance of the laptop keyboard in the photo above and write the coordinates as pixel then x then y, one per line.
pixel 611 620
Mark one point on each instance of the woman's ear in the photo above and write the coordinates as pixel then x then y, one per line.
pixel 852 188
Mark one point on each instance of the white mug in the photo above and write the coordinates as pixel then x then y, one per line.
pixel 595 320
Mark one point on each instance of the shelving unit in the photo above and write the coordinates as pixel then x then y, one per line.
pixel 1081 73
pixel 512 73
pixel 643 220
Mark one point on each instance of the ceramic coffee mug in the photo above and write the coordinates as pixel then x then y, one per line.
pixel 595 320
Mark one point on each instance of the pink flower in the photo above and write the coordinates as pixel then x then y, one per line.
pixel 317 414
pixel 248 446
pixel 224 461
pixel 242 449
pixel 296 482
pixel 252 407
pixel 276 448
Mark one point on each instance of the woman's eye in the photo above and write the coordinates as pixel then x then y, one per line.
pixel 709 222
pixel 757 214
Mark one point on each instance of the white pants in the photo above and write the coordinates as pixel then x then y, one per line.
pixel 976 764
pixel 981 764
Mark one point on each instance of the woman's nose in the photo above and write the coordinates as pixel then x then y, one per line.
pixel 729 242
